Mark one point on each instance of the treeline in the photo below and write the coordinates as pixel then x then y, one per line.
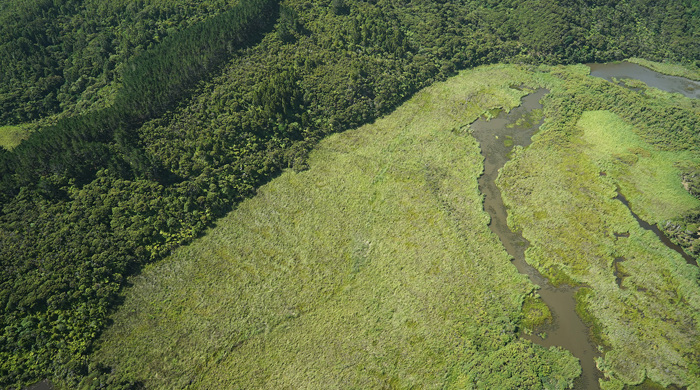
pixel 55 293
pixel 88 201
pixel 66 56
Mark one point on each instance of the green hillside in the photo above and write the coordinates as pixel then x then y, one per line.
pixel 150 120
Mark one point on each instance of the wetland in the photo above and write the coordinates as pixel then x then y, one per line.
pixel 467 239
pixel 566 330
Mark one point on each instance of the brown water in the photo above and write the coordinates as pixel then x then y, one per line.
pixel 689 259
pixel 628 70
pixel 497 139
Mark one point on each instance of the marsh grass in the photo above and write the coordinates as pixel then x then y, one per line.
pixel 649 178
pixel 648 326
pixel 374 268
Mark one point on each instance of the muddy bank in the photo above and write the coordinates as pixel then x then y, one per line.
pixel 497 137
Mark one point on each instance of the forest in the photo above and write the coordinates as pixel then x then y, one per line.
pixel 134 126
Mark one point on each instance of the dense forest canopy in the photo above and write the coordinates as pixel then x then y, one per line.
pixel 152 118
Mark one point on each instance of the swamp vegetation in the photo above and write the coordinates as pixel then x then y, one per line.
pixel 130 129
pixel 405 236
pixel 379 270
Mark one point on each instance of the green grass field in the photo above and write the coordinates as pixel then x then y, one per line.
pixel 375 268
pixel 11 136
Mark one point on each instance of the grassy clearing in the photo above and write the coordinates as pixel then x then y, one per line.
pixel 649 178
pixel 11 136
pixel 688 72
pixel 649 325
pixel 374 268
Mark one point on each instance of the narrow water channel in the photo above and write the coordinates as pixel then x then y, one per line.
pixel 497 137
pixel 645 225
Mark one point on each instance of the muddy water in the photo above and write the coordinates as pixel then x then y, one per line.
pixel 628 70
pixel 689 259
pixel 497 139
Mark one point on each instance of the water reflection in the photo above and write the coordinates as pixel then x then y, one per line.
pixel 497 137
pixel 628 70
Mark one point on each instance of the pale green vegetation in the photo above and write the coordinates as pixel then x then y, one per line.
pixel 688 71
pixel 11 136
pixel 648 325
pixel 648 178
pixel 374 268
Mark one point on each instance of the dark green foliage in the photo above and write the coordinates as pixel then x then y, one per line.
pixel 691 179
pixel 153 81
pixel 288 24
pixel 685 231
pixel 77 147
pixel 90 199
pixel 56 55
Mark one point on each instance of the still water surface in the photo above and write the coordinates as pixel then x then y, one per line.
pixel 43 385
pixel 628 70
pixel 497 138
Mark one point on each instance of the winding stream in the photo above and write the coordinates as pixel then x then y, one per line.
pixel 497 138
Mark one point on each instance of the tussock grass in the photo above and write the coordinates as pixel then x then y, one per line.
pixel 374 268
pixel 535 314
